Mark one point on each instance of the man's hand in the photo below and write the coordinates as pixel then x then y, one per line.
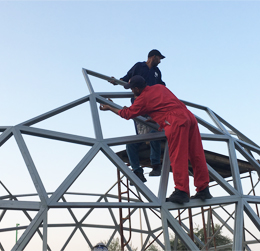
pixel 103 107
pixel 112 81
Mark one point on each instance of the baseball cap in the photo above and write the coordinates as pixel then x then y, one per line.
pixel 155 53
pixel 135 81
pixel 100 247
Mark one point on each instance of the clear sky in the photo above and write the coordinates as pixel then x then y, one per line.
pixel 211 47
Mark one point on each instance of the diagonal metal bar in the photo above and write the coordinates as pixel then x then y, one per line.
pixel 104 77
pixel 31 167
pixel 90 87
pixel 74 174
pixel 250 159
pixel 129 174
pixel 222 182
pixel 7 134
pixel 115 94
pixel 24 211
pixel 69 238
pixel 55 112
pixel 86 237
pixel 216 120
pixel 251 214
pixel 178 230
pixel 249 146
pixel 200 107
pixel 208 125
pixel 30 230
pixel 238 133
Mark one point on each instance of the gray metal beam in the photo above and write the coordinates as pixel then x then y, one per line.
pixel 239 224
pixel 7 134
pixel 134 138
pixel 208 125
pixel 31 167
pixel 55 112
pixel 65 137
pixel 219 133
pixel 252 215
pixel 178 230
pixel 238 133
pixel 146 192
pixel 95 118
pixel 164 175
pixel 216 121
pixel 214 137
pixel 199 203
pixel 140 119
pixel 74 174
pixel 30 230
pixel 222 182
pixel 19 205
pixel 104 77
pixel 234 166
pixel 250 159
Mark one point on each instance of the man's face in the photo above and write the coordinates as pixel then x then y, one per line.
pixel 136 91
pixel 156 60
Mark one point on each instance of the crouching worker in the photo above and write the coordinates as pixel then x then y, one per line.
pixel 181 130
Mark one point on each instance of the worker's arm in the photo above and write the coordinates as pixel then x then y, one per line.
pixel 113 81
pixel 108 108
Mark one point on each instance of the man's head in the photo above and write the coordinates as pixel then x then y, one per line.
pixel 100 247
pixel 137 84
pixel 154 56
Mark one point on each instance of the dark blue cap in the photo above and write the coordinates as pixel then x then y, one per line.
pixel 155 53
pixel 135 81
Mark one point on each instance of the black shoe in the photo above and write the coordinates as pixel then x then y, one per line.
pixel 156 170
pixel 178 196
pixel 140 175
pixel 203 194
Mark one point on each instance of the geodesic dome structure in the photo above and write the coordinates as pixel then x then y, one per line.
pixel 67 218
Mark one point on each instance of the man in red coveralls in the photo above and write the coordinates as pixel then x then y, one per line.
pixel 181 130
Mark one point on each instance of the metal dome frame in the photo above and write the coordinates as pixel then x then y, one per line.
pixel 221 131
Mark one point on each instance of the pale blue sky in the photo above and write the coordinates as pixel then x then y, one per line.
pixel 212 58
pixel 211 48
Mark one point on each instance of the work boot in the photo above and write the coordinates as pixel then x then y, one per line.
pixel 178 196
pixel 156 170
pixel 140 175
pixel 203 194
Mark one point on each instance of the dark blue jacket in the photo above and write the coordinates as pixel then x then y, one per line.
pixel 152 76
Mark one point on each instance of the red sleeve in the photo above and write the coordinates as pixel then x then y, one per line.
pixel 136 109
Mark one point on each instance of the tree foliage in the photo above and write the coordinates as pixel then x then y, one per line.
pixel 114 245
pixel 219 239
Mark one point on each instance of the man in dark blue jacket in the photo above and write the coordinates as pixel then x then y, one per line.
pixel 152 75
pixel 148 70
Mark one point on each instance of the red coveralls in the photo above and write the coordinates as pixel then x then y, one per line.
pixel 181 130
